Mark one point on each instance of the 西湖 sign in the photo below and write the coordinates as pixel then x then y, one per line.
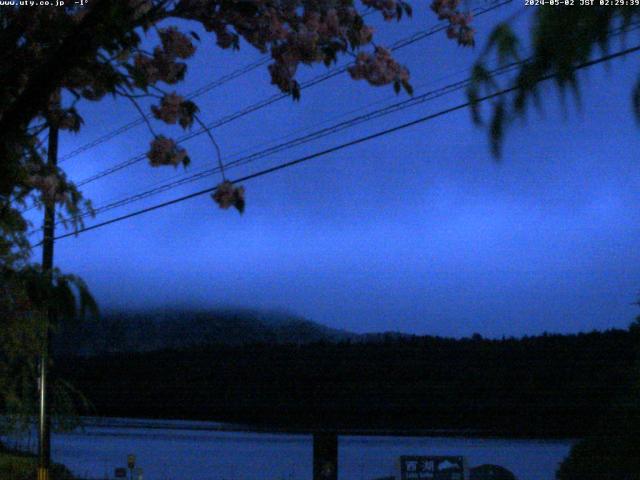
pixel 419 467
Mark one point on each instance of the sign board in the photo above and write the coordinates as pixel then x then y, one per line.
pixel 121 473
pixel 131 461
pixel 421 467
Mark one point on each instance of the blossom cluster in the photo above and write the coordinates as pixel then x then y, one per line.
pixel 165 151
pixel 379 68
pixel 174 108
pixel 227 195
pixel 459 23
pixel 91 54
pixel 176 43
pixel 315 37
pixel 388 8
pixel 161 66
pixel 293 32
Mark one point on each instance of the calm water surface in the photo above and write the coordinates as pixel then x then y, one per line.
pixel 174 450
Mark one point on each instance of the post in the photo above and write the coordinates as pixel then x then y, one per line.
pixel 325 456
pixel 44 423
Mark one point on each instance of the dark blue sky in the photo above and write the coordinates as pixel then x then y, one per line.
pixel 420 231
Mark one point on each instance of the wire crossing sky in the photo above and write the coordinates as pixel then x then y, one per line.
pixel 441 26
pixel 402 105
pixel 420 231
pixel 337 148
pixel 139 121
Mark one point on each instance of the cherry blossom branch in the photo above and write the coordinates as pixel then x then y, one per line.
pixel 215 144
pixel 160 90
pixel 142 114
pixel 144 95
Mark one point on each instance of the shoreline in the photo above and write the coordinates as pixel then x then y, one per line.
pixel 214 426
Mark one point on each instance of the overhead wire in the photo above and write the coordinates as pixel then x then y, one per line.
pixel 351 143
pixel 196 93
pixel 280 96
pixel 141 119
pixel 306 138
pixel 289 135
pixel 251 108
pixel 395 107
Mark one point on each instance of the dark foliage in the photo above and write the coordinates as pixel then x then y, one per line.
pixel 16 465
pixel 610 453
pixel 560 39
pixel 612 450
pixel 182 329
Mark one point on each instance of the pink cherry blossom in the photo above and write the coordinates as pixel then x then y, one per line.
pixel 170 107
pixel 176 43
pixel 147 68
pixel 227 195
pixel 459 23
pixel 378 68
pixel 164 151
pixel 174 108
pixel 386 7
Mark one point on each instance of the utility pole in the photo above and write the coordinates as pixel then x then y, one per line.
pixel 325 455
pixel 44 423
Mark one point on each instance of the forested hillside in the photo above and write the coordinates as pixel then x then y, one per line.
pixel 551 385
pixel 180 329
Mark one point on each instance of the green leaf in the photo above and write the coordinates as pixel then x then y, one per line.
pixel 408 9
pixel 497 128
pixel 472 95
pixel 505 42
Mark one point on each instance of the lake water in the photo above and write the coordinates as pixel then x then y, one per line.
pixel 175 450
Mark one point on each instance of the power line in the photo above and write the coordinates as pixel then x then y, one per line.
pixel 317 134
pixel 279 96
pixel 398 106
pixel 286 136
pixel 140 120
pixel 196 93
pixel 309 137
pixel 351 143
pixel 202 90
